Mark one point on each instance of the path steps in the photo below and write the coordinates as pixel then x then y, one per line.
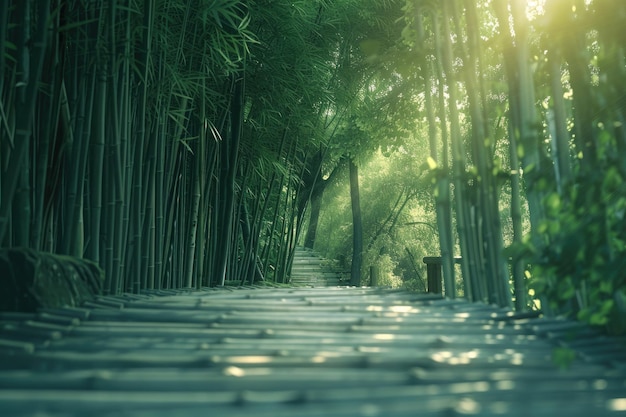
pixel 305 352
pixel 310 269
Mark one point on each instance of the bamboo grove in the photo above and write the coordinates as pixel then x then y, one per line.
pixel 186 143
pixel 526 113
pixel 175 143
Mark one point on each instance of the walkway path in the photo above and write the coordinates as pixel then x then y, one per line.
pixel 310 269
pixel 300 352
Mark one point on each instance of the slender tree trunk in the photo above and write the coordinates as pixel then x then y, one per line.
pixel 313 189
pixel 316 207
pixel 357 226
pixel 317 194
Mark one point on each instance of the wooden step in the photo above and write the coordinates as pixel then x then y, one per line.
pixel 310 269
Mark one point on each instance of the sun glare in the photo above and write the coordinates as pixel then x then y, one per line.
pixel 535 8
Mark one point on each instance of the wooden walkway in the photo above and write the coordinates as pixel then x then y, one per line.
pixel 301 352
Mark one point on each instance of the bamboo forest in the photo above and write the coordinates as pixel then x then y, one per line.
pixel 172 144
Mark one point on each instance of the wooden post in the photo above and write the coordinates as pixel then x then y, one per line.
pixel 374 273
pixel 434 275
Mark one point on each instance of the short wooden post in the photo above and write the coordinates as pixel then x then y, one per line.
pixel 434 276
pixel 374 276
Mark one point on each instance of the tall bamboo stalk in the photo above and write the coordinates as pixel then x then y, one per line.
pixel 30 65
pixel 4 18
pixel 137 202
pixel 469 266
pixel 522 99
pixel 49 146
pixel 73 234
pixel 120 155
pixel 96 163
pixel 557 120
pixel 497 275
pixel 443 204
pixel 357 226
pixel 229 159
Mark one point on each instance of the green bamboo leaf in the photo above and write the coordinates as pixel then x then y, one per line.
pixel 607 306
pixel 598 319
pixel 563 357
pixel 553 203
pixel 74 25
pixel 10 46
pixel 184 142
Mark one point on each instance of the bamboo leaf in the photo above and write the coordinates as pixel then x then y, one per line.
pixel 75 25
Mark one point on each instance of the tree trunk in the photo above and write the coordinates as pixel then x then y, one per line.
pixel 318 184
pixel 357 226
pixel 316 205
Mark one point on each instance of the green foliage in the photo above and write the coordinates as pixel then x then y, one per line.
pixel 394 193
pixel 568 149
pixel 147 90
pixel 579 268
pixel 32 280
pixel 563 357
pixel 203 115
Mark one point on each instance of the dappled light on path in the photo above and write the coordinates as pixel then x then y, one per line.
pixel 301 351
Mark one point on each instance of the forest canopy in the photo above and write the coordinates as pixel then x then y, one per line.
pixel 196 143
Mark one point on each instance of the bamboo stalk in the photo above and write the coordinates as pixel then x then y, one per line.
pixel 45 150
pixel 468 265
pixel 96 163
pixel 523 94
pixel 30 66
pixel 229 159
pixel 442 199
pixel 558 122
pixel 193 218
pixel 137 274
pixel 149 217
pixel 496 267
pixel 357 226
pixel 160 201
pixel 72 238
pixel 115 178
pixel 4 19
